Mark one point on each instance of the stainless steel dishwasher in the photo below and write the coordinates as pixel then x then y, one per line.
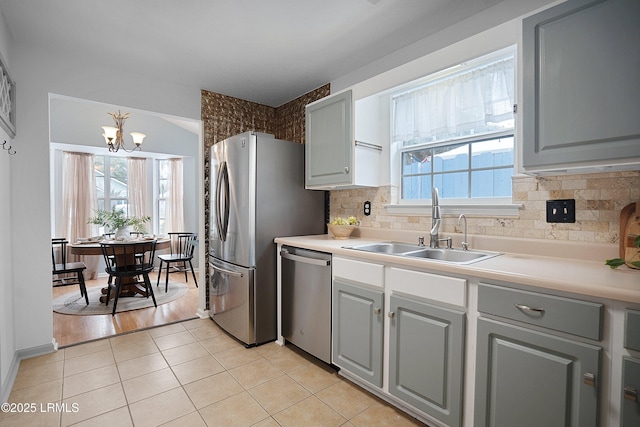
pixel 306 300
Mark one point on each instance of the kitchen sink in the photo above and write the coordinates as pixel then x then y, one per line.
pixel 455 256
pixel 452 255
pixel 387 248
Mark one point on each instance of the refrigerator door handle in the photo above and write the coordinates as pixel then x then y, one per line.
pixel 225 271
pixel 222 222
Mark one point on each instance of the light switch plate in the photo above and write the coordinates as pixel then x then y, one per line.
pixel 563 210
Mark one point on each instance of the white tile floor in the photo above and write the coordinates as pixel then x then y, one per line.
pixel 188 374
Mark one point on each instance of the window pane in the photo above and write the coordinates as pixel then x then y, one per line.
pixel 452 185
pixel 118 181
pixel 416 187
pixel 491 183
pixel 451 158
pixel 415 162
pixel 492 153
pixel 161 209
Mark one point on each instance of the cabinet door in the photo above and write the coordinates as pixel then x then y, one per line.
pixel 357 331
pixel 580 92
pixel 328 145
pixel 426 358
pixel 631 383
pixel 530 379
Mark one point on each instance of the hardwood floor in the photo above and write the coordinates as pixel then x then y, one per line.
pixel 71 329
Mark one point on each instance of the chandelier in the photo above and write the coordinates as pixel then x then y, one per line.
pixel 113 136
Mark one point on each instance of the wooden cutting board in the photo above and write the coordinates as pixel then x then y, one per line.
pixel 629 229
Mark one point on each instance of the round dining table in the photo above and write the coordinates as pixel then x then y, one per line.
pixel 130 286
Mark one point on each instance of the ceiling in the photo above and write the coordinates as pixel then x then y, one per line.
pixel 266 51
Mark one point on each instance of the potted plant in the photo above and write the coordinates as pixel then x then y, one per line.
pixel 118 221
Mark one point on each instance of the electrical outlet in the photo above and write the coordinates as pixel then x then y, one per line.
pixel 563 210
pixel 367 208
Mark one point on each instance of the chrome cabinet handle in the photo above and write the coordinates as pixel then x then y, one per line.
pixel 376 310
pixel 391 315
pixel 529 309
pixel 630 393
pixel 589 379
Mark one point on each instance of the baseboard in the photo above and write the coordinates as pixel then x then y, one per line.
pixel 19 355
pixel 7 384
pixel 203 314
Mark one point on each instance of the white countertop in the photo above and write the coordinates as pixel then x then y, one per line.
pixel 585 277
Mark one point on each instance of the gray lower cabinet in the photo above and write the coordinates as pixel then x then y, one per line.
pixel 426 357
pixel 630 412
pixel 527 378
pixel 358 331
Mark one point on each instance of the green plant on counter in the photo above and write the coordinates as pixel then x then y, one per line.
pixel 617 262
pixel 115 219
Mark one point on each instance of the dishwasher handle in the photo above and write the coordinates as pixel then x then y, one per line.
pixel 321 262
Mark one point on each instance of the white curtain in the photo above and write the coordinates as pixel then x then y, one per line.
pixel 174 215
pixel 79 201
pixel 137 186
pixel 461 104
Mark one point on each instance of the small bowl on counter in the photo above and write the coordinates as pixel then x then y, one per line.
pixel 341 232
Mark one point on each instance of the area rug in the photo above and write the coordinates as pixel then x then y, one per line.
pixel 73 303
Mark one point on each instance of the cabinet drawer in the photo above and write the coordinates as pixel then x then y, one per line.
pixel 632 330
pixel 581 318
pixel 358 271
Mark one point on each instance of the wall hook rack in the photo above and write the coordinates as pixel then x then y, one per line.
pixel 9 150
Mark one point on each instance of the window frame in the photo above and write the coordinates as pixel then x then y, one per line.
pixel 107 199
pixel 489 206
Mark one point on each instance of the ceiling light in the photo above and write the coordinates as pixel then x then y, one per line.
pixel 113 136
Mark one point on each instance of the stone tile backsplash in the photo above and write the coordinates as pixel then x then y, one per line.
pixel 599 199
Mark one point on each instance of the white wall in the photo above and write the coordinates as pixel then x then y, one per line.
pixel 7 323
pixel 39 73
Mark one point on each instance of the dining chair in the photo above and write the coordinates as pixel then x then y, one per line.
pixel 178 240
pixel 60 267
pixel 125 262
pixel 183 254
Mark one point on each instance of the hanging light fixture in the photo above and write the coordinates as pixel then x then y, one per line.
pixel 114 138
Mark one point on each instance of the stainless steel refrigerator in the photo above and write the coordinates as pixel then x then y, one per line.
pixel 257 193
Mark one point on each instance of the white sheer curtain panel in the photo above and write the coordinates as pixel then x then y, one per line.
pixel 137 183
pixel 79 201
pixel 467 103
pixel 174 216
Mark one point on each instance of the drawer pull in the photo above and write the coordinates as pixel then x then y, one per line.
pixel 391 314
pixel 529 309
pixel 631 394
pixel 376 310
pixel 590 379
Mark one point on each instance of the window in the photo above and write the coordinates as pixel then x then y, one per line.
pixel 162 194
pixel 111 182
pixel 456 131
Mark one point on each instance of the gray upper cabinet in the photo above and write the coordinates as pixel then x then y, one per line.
pixel 329 128
pixel 333 157
pixel 581 87
pixel 426 354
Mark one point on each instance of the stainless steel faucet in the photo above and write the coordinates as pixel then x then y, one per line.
pixel 465 244
pixel 436 219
